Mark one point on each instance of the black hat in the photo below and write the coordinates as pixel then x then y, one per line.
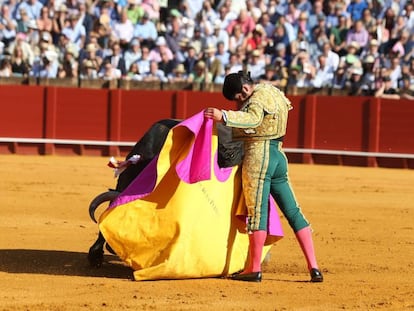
pixel 232 85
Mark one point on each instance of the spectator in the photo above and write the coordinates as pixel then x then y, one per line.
pixel 44 22
pixel 395 71
pixel 7 25
pixel 293 13
pixel 338 35
pixel 59 22
pixel 109 72
pixel 123 30
pixel 197 41
pixel 75 31
pixel 245 21
pixel 222 54
pixel 200 74
pixel 256 39
pixel 45 65
pixel 214 65
pixel 154 74
pixel 144 61
pixel 306 69
pixel 270 76
pixel 166 64
pixel 358 34
pixel 352 57
pixel 19 62
pixel 316 14
pixel 256 65
pixel 267 25
pixel 174 36
pixel 219 35
pixel 133 54
pixel 332 58
pixel 355 9
pixel 323 74
pixel 145 30
pixel 134 73
pixel 5 67
pixel 135 11
pixel 340 78
pixel 386 90
pixel 237 38
pixel 22 22
pixel 354 83
pixel 368 20
pixel 88 70
pixel 70 65
pixel 178 74
pixel 32 8
pixel 160 48
pixel 116 59
pixel 86 18
pixel 302 26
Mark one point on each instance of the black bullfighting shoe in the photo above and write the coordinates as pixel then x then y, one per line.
pixel 248 277
pixel 316 275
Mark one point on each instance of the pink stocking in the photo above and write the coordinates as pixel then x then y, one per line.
pixel 304 237
pixel 256 243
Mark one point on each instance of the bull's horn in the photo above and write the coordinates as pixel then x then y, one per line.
pixel 99 199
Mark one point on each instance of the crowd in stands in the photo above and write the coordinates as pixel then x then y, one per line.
pixel 363 46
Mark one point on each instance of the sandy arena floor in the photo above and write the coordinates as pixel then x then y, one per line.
pixel 363 220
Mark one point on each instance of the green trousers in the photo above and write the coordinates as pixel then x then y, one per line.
pixel 264 172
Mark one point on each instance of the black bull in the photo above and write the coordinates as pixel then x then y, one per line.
pixel 229 154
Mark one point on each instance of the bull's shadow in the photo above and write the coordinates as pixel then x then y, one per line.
pixel 55 262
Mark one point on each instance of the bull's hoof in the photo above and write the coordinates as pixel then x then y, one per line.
pixel 95 257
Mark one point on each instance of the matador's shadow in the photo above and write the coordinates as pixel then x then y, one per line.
pixel 60 263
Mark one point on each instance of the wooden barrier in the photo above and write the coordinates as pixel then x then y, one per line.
pixel 46 119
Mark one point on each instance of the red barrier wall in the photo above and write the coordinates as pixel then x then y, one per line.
pixel 316 122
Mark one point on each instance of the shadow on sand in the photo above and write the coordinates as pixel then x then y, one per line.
pixel 60 263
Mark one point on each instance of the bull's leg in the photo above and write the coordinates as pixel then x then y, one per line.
pixel 96 252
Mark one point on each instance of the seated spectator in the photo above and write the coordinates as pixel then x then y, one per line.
pixel 256 65
pixel 134 73
pixel 237 38
pixel 191 59
pixel 358 34
pixel 222 54
pixel 351 58
pixel 161 47
pixel 69 64
pixel 338 35
pixel 369 78
pixel 32 8
pixel 88 70
pixel 407 88
pixel 244 20
pixel 146 30
pixel 354 82
pixel 214 65
pixel 355 9
pixel 44 22
pixel 116 59
pixel 75 32
pixel 6 70
pixel 200 74
pixel 45 65
pixel 220 78
pixel 386 90
pixel 123 30
pixel 178 74
pixel 340 78
pixel 7 25
pixel 19 62
pixel 108 71
pixel 166 64
pixel 135 11
pixel 270 76
pixel 324 74
pixel 306 69
pixel 154 73
pixel 256 39
pixel 132 54
pixel 235 63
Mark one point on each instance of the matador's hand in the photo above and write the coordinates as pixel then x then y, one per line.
pixel 213 113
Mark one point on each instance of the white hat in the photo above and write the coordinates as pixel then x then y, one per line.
pixel 51 55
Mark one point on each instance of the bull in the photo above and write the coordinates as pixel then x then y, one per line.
pixel 148 147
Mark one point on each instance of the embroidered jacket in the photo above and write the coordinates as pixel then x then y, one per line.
pixel 263 116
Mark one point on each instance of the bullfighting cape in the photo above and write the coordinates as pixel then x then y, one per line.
pixel 183 216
